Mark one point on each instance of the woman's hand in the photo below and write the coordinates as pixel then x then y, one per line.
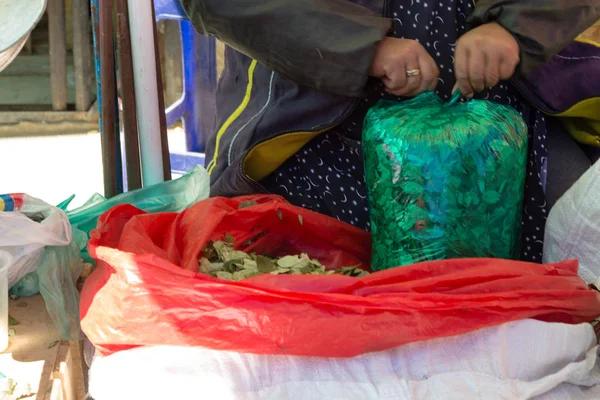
pixel 485 56
pixel 405 67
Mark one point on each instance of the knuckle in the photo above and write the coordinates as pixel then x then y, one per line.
pixel 478 42
pixel 462 75
pixel 515 60
pixel 411 55
pixel 393 85
pixel 511 56
pixel 430 78
pixel 506 73
pixel 400 92
pixel 492 77
pixel 477 71
pixel 433 75
pixel 477 82
pixel 413 84
pixel 413 45
pixel 463 41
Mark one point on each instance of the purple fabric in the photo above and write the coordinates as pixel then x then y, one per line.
pixel 568 78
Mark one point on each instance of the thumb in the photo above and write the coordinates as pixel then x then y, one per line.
pixel 464 91
pixel 456 87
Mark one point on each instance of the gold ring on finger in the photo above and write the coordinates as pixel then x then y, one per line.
pixel 413 72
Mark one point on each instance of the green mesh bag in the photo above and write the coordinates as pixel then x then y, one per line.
pixel 445 180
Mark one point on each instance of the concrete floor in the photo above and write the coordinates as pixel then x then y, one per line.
pixel 53 168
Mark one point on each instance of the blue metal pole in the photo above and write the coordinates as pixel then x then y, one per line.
pixel 200 80
pixel 94 4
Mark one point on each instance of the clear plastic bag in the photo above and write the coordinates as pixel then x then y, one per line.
pixel 58 273
pixel 38 238
pixel 27 226
pixel 29 285
pixel 445 180
pixel 173 195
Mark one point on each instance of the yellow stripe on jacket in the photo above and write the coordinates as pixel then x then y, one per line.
pixel 236 114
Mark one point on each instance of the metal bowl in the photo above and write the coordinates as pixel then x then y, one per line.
pixel 17 20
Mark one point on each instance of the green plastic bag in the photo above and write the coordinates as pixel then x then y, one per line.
pixel 58 272
pixel 175 195
pixel 445 180
pixel 55 279
pixel 170 196
pixel 43 257
pixel 29 285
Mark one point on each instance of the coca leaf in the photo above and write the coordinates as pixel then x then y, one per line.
pixel 247 204
pixel 204 266
pixel 265 265
pixel 230 240
pixel 231 264
pixel 225 275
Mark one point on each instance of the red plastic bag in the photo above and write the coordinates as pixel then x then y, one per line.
pixel 141 295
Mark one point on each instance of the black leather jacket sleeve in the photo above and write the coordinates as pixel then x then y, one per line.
pixel 329 44
pixel 542 27
pixel 325 44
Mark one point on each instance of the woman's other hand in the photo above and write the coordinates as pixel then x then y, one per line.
pixel 405 67
pixel 485 56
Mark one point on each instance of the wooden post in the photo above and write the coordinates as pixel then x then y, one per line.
pixel 130 122
pixel 82 54
pixel 58 54
pixel 108 88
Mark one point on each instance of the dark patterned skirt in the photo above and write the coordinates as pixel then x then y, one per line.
pixel 327 175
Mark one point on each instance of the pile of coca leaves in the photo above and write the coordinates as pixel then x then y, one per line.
pixel 221 260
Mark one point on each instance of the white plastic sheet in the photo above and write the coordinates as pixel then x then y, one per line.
pixel 520 360
pixel 24 240
pixel 573 227
pixel 47 247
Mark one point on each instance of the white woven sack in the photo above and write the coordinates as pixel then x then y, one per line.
pixel 573 227
pixel 516 361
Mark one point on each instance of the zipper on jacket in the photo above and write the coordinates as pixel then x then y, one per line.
pixel 387 9
pixel 530 98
